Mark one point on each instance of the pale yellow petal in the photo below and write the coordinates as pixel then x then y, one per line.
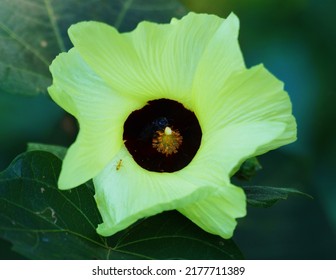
pixel 100 112
pixel 249 96
pixel 222 57
pixel 154 61
pixel 217 213
pixel 228 147
pixel 125 192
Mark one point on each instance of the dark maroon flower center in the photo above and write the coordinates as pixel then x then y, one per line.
pixel 163 136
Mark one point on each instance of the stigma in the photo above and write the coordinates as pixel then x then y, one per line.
pixel 167 141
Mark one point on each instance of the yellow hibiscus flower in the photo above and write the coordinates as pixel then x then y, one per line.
pixel 167 114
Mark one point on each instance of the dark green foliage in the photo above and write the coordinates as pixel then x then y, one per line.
pixel 33 32
pixel 248 169
pixel 262 196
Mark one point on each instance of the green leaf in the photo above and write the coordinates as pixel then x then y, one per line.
pixel 58 151
pixel 33 32
pixel 262 196
pixel 43 222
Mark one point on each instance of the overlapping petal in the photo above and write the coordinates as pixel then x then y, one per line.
pixel 155 60
pixel 220 58
pixel 169 56
pixel 100 112
pixel 125 192
pixel 217 213
pixel 228 147
pixel 246 97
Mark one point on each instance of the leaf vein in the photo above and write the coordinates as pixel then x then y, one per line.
pixel 54 26
pixel 22 42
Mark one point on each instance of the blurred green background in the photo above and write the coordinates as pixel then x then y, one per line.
pixel 295 40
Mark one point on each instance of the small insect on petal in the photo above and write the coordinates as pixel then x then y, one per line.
pixel 119 164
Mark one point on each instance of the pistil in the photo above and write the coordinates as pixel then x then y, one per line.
pixel 167 141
